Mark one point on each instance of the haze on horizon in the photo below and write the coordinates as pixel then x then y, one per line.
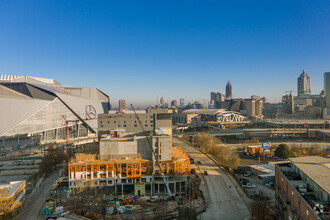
pixel 139 51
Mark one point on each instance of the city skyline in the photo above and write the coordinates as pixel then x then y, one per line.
pixel 254 45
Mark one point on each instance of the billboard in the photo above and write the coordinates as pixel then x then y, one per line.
pixel 266 144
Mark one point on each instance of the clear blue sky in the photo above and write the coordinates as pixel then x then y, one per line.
pixel 177 49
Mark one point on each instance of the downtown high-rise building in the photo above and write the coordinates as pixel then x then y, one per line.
pixel 304 84
pixel 229 91
pixel 181 102
pixel 327 89
pixel 174 103
pixel 216 99
pixel 162 101
pixel 122 105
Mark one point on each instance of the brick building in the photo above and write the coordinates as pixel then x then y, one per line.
pixel 302 188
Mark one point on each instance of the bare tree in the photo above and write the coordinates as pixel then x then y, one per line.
pixel 261 209
pixel 52 158
pixel 82 201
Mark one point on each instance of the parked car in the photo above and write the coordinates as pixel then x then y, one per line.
pixel 205 173
pixel 199 163
pixel 192 161
pixel 244 180
pixel 247 174
pixel 249 185
pixel 270 185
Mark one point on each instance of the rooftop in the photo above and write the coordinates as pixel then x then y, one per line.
pixel 266 168
pixel 203 111
pixel 316 168
pixel 12 187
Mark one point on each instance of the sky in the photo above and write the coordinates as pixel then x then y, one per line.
pixel 141 50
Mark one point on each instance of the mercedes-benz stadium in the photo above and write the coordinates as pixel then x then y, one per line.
pixel 38 110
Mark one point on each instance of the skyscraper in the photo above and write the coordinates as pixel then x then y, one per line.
pixel 229 91
pixel 181 102
pixel 327 89
pixel 162 101
pixel 122 105
pixel 216 99
pixel 174 103
pixel 212 101
pixel 304 84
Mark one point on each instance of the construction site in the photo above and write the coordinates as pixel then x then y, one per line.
pixel 135 173
pixel 136 183
pixel 137 176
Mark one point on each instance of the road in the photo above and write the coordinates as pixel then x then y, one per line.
pixel 32 208
pixel 224 201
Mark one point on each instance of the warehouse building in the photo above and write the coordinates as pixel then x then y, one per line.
pixel 34 111
pixel 302 188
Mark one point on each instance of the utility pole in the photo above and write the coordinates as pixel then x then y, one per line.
pixel 189 200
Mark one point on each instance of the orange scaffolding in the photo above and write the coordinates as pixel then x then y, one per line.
pixel 130 168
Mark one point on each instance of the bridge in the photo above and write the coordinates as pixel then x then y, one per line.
pixel 229 116
pixel 263 132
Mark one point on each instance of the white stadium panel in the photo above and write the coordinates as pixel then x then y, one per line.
pixel 14 111
pixel 47 118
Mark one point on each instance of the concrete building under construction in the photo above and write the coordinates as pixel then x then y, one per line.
pixel 127 121
pixel 129 164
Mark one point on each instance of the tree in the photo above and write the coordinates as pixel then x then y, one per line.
pixel 52 158
pixel 85 196
pixel 283 151
pixel 186 138
pixel 7 204
pixel 206 142
pixel 251 141
pixel 261 209
pixel 226 156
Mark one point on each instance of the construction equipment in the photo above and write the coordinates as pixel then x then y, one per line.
pixel 290 91
pixel 128 200
pixel 68 151
pixel 155 156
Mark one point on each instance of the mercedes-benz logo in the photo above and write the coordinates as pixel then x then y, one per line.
pixel 90 111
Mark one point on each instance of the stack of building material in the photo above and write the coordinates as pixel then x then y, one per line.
pixel 177 154
pixel 85 157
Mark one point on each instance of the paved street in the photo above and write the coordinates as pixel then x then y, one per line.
pixel 32 208
pixel 224 201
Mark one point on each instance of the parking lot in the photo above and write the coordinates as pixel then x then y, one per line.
pixel 258 187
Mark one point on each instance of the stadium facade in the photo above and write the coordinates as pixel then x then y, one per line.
pixel 34 111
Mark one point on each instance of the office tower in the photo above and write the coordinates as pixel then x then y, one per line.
pixel 288 104
pixel 216 99
pixel 304 84
pixel 255 97
pixel 122 105
pixel 162 101
pixel 327 89
pixel 181 102
pixel 229 91
pixel 174 103
pixel 212 101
